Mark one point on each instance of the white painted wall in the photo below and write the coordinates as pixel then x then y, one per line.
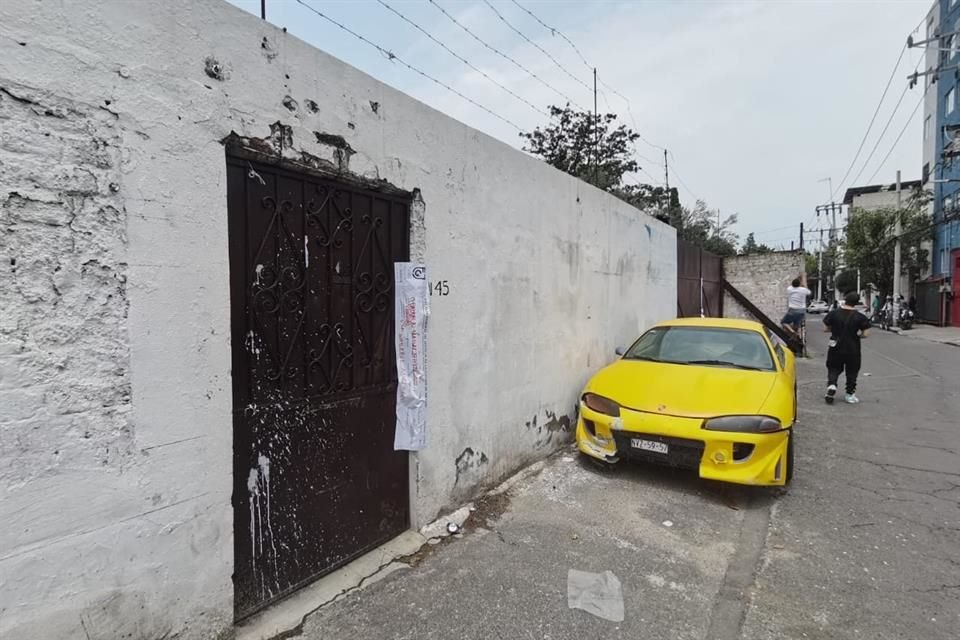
pixel 115 389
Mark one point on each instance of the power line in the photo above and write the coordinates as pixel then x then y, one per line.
pixel 684 184
pixel 555 32
pixel 895 142
pixel 872 120
pixel 893 114
pixel 541 49
pixel 393 57
pixel 790 226
pixel 505 56
pixel 462 59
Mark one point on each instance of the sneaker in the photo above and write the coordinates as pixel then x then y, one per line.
pixel 852 398
pixel 831 392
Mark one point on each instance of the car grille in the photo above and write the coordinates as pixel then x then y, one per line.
pixel 683 454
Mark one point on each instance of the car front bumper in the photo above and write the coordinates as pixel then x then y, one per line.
pixel 740 458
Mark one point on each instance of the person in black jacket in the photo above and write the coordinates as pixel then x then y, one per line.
pixel 846 326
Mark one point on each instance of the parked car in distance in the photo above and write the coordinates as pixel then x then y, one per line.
pixel 818 306
pixel 713 395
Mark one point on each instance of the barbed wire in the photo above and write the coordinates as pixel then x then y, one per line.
pixel 541 49
pixel 506 57
pixel 393 57
pixel 462 59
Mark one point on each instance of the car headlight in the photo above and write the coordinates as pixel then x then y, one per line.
pixel 744 424
pixel 606 406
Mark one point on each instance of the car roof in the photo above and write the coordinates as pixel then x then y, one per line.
pixel 717 323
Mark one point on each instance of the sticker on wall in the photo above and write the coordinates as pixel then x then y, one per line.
pixel 412 309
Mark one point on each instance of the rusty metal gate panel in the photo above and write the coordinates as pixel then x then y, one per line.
pixel 316 479
pixel 711 272
pixel 699 282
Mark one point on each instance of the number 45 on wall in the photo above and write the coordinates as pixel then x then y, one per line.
pixel 440 288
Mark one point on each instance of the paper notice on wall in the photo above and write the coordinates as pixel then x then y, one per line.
pixel 412 309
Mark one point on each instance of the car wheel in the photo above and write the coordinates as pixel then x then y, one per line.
pixel 795 405
pixel 790 455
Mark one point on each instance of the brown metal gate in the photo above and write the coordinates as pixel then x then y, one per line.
pixel 699 282
pixel 316 479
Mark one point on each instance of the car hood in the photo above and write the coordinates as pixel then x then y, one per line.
pixel 683 390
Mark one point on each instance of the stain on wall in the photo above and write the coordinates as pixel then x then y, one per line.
pixel 468 463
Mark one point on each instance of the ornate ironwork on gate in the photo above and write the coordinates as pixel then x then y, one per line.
pixel 316 479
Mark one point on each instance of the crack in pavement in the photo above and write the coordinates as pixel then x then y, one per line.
pixel 893 465
pixel 730 606
pixel 297 631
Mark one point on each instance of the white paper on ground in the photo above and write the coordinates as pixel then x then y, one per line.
pixel 410 314
pixel 597 593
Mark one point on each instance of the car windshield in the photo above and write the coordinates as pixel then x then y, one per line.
pixel 710 346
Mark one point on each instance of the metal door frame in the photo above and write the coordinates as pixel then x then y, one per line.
pixel 238 151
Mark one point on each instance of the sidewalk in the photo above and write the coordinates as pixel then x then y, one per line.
pixel 943 335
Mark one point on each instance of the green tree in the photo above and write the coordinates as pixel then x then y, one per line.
pixel 702 226
pixel 598 150
pixel 846 281
pixel 750 246
pixel 869 241
pixel 593 148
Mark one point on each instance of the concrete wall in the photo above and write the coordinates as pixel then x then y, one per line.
pixel 115 388
pixel 763 279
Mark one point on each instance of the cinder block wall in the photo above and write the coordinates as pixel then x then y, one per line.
pixel 763 279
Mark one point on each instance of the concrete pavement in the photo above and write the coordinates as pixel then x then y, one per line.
pixel 865 544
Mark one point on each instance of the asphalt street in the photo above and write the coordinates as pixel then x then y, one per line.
pixel 865 544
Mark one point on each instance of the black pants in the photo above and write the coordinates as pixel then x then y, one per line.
pixel 843 362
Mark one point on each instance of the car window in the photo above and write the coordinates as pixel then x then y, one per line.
pixel 717 346
pixel 781 356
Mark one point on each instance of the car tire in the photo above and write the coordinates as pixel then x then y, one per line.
pixel 795 403
pixel 790 456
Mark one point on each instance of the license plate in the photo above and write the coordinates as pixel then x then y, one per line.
pixel 650 445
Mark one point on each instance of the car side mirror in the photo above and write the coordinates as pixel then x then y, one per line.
pixel 620 351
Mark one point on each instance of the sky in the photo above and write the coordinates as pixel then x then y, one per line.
pixel 758 103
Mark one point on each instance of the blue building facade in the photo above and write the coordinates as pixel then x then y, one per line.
pixel 946 129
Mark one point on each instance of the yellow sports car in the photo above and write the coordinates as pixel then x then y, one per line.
pixel 712 394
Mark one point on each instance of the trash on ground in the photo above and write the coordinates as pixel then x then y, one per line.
pixel 668 523
pixel 568 458
pixel 575 537
pixel 599 594
pixel 441 528
pixel 868 374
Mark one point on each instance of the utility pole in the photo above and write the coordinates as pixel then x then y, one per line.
pixel 897 230
pixel 596 132
pixel 666 180
pixel 263 9
pixel 836 251
pixel 820 269
pixel 801 238
pixel 718 223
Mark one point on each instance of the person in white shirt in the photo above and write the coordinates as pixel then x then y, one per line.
pixel 797 294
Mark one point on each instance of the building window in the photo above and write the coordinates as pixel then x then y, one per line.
pixel 926 172
pixel 948 102
pixel 944 264
pixel 930 21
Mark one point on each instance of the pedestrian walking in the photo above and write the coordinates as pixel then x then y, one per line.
pixel 797 294
pixel 846 326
